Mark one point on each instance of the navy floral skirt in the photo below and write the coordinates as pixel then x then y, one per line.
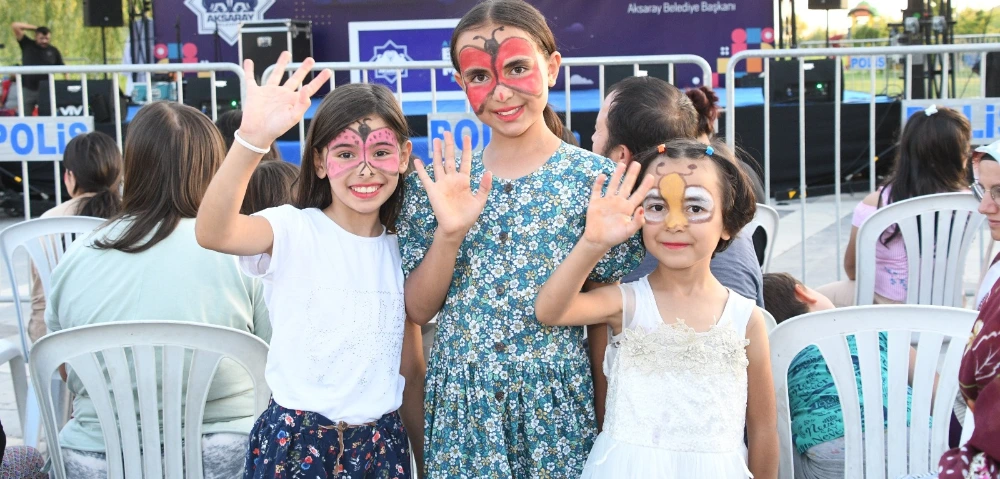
pixel 290 444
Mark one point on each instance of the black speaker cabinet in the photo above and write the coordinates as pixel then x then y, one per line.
pixel 263 41
pixel 992 74
pixel 103 13
pixel 820 76
pixel 828 5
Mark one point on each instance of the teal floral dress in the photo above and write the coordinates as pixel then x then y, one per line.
pixel 507 396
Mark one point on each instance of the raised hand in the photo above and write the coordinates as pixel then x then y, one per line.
pixel 450 193
pixel 271 109
pixel 615 216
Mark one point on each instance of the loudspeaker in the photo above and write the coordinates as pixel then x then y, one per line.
pixel 69 100
pixel 263 41
pixel 819 77
pixel 198 94
pixel 103 13
pixel 992 74
pixel 828 4
pixel 616 73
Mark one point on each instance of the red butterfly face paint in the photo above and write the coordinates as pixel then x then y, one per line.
pixel 377 149
pixel 510 63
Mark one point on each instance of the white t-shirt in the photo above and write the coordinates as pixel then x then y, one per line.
pixel 337 313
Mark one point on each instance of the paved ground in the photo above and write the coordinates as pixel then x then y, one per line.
pixel 823 262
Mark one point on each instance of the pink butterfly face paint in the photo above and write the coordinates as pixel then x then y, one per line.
pixel 509 63
pixel 377 149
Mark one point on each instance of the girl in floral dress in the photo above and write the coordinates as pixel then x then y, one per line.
pixel 505 395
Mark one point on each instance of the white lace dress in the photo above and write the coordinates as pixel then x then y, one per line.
pixel 677 398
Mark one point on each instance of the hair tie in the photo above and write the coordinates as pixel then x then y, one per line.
pixel 661 148
pixel 709 151
pixel 931 110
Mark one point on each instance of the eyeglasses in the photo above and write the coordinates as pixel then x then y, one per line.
pixel 980 191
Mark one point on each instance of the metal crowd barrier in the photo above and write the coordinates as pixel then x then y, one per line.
pixel 906 53
pixel 113 70
pixel 567 65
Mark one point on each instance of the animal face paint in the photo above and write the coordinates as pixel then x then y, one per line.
pixel 510 63
pixel 676 203
pixel 377 149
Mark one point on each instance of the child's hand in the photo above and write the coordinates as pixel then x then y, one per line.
pixel 616 216
pixel 455 206
pixel 271 109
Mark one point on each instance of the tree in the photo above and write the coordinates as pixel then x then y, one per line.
pixel 78 44
pixel 877 27
pixel 969 21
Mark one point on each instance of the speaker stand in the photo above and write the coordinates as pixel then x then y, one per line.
pixel 104 49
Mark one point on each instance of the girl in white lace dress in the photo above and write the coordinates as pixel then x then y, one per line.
pixel 689 361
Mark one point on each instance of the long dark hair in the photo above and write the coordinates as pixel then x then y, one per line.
pixel 739 203
pixel 96 164
pixel 511 13
pixel 931 157
pixel 171 153
pixel 344 106
pixel 270 185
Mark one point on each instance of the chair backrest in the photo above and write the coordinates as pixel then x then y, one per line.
pixel 941 334
pixel 769 322
pixel 45 240
pixel 767 219
pixel 937 231
pixel 188 355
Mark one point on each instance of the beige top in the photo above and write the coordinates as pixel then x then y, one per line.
pixel 36 325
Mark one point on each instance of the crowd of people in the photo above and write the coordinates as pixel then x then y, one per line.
pixel 338 263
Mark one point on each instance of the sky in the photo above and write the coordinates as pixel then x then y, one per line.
pixel 886 8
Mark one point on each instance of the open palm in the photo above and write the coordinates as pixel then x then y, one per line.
pixel 271 109
pixel 615 216
pixel 455 206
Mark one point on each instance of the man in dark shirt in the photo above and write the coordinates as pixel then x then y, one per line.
pixel 33 53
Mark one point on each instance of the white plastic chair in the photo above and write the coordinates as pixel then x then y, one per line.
pixel 937 231
pixel 95 350
pixel 769 321
pixel 45 240
pixel 766 218
pixel 941 332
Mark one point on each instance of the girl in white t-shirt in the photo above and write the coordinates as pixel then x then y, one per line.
pixel 334 282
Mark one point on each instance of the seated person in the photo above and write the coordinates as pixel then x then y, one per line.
pixel 817 419
pixel 145 264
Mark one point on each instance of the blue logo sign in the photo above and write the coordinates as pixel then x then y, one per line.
pixel 226 15
pixel 983 114
pixel 39 138
pixel 865 63
pixel 390 54
pixel 459 124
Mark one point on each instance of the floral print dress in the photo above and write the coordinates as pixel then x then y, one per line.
pixel 507 396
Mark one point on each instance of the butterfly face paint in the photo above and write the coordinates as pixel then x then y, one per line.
pixel 376 149
pixel 510 63
pixel 677 204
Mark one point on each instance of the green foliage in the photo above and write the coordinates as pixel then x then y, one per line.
pixel 969 21
pixel 877 27
pixel 78 44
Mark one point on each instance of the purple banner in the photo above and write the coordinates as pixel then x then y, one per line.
pixel 714 30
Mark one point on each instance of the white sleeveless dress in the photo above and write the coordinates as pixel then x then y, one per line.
pixel 677 398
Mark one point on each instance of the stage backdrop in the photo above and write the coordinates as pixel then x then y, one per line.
pixel 714 30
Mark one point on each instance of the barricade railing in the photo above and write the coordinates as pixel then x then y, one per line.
pixel 906 55
pixel 567 65
pixel 113 70
pixel 885 41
